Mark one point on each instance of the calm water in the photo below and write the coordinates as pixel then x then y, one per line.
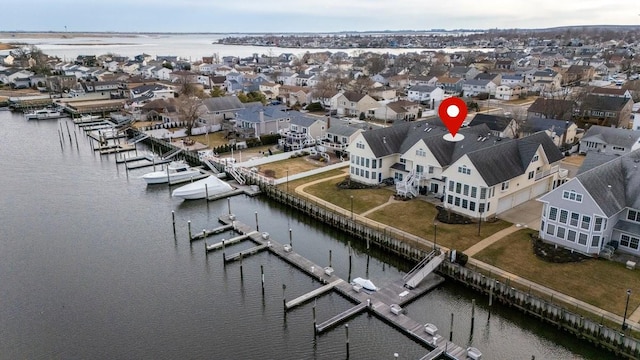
pixel 90 269
pixel 192 46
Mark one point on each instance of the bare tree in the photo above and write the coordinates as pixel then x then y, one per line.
pixel 362 84
pixel 375 64
pixel 190 110
pixel 327 86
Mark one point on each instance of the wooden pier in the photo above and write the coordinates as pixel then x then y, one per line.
pixel 386 303
pixel 207 233
pixel 311 295
pixel 223 243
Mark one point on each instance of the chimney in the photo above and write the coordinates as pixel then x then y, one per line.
pixel 328 122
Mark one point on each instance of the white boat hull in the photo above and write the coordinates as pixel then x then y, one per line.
pixel 199 189
pixel 160 177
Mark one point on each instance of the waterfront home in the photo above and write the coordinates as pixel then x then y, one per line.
pixel 600 206
pixel 143 93
pixel 213 111
pixel 480 176
pixel 165 110
pixel 256 120
pixel 337 138
pixel 303 131
pixel 608 140
pixel 351 103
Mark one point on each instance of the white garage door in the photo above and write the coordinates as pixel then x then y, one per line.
pixel 521 196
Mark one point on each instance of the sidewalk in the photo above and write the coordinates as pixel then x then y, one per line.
pixel 632 321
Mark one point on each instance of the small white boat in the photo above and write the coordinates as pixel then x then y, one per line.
pixel 43 114
pixel 210 185
pixel 365 283
pixel 175 171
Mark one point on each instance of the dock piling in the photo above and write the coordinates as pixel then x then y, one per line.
pixel 173 220
pixel 290 238
pixel 229 205
pixel 262 277
pixel 451 329
pixel 206 192
pixel 330 258
pixel 224 256
pixel 257 226
pixel 284 301
pixel 189 227
pixel 315 327
pixel 346 328
pixel 241 275
pixel 473 313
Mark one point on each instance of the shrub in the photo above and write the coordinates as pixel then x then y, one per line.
pixel 362 116
pixel 315 106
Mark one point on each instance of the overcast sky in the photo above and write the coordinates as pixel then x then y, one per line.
pixel 303 15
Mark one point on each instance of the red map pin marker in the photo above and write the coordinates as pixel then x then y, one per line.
pixel 453 112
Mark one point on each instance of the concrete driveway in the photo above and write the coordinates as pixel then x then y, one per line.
pixel 527 213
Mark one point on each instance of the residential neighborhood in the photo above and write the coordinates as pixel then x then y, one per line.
pixel 532 102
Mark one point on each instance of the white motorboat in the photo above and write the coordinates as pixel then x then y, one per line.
pixel 365 284
pixel 43 114
pixel 175 171
pixel 211 186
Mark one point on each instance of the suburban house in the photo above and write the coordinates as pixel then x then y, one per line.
pixel 463 72
pixel 510 92
pixel 608 140
pixel 260 120
pixel 149 92
pixel 270 90
pixel 216 109
pixel 477 87
pixel 560 131
pixel 165 110
pixel 578 74
pixel 552 109
pixel 511 79
pixel 351 103
pixel 337 138
pixel 545 80
pixel 607 110
pixel 480 176
pixel 494 78
pixel 499 126
pixel 398 111
pixel 303 131
pixel 609 91
pixel 427 95
pixel 450 85
pixel 506 175
pixel 422 80
pixel 383 92
pixel 600 206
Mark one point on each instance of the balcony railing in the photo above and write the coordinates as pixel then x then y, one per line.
pixel 544 174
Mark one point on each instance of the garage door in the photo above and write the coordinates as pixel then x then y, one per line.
pixel 521 196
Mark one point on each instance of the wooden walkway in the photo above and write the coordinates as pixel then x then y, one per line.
pixel 380 303
pixel 311 295
pixel 207 233
pixel 223 243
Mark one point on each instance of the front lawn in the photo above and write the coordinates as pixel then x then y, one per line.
pixel 599 282
pixel 363 199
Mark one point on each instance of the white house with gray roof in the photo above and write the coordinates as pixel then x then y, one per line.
pixel 337 138
pixel 216 109
pixel 260 120
pixel 426 94
pixel 609 140
pixel 303 131
pixel 417 157
pixel 599 206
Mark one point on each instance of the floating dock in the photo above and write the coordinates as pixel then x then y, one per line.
pixel 386 303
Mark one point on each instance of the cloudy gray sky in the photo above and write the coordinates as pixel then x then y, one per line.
pixel 313 16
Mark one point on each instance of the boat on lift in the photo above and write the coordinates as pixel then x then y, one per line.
pixel 209 186
pixel 175 171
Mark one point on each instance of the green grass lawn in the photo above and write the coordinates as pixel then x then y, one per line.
pixel 599 282
pixel 417 217
pixel 363 199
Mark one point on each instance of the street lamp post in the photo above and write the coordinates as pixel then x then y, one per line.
pixel 479 222
pixel 351 197
pixel 624 318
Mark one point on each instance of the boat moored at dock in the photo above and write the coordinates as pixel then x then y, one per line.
pixel 44 114
pixel 207 187
pixel 175 171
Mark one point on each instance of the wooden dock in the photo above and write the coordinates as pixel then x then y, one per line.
pixel 114 148
pixel 385 303
pixel 223 243
pixel 311 295
pixel 207 233
pixel 242 254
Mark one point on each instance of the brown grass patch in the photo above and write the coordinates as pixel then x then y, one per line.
pixel 363 199
pixel 599 282
pixel 417 217
pixel 290 166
